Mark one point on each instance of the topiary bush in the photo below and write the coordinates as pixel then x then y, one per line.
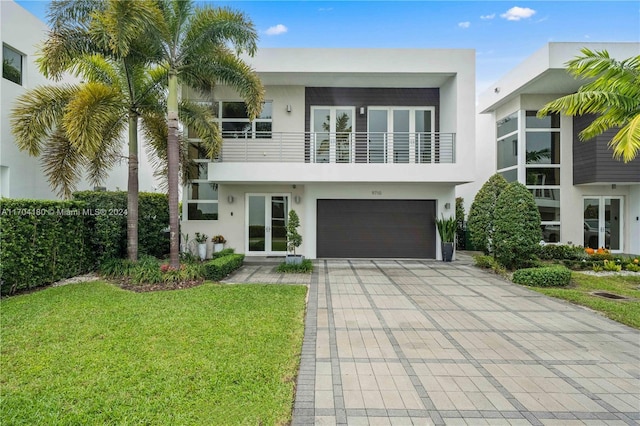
pixel 217 269
pixel 517 232
pixel 550 276
pixel 482 213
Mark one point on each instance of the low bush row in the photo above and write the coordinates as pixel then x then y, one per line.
pixel 549 276
pixel 305 267
pixel 219 268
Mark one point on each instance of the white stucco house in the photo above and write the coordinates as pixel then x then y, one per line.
pixel 22 176
pixel 367 145
pixel 585 197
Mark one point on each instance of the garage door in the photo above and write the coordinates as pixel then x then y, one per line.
pixel 376 228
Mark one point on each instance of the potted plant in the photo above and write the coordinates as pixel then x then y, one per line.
pixel 294 239
pixel 218 243
pixel 201 239
pixel 447 232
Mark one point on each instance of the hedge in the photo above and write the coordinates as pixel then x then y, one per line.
pixel 42 242
pixel 482 213
pixel 109 223
pixel 551 276
pixel 219 268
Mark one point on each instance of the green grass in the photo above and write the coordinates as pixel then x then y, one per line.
pixel 95 354
pixel 626 312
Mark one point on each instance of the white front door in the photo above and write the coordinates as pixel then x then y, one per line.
pixel 603 222
pixel 266 218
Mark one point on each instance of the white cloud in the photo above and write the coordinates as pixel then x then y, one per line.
pixel 325 9
pixel 517 13
pixel 276 30
pixel 487 17
pixel 465 24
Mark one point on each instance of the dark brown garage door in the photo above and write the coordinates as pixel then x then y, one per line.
pixel 377 228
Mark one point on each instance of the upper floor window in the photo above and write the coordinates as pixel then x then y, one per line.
pixel 234 120
pixel 11 64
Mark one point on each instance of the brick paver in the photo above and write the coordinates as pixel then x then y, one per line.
pixel 427 343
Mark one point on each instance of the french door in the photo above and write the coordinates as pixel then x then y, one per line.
pixel 266 219
pixel 401 135
pixel 603 222
pixel 332 133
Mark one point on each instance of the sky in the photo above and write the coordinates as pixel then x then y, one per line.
pixel 503 33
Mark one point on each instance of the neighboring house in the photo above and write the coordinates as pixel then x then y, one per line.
pixel 367 145
pixel 585 197
pixel 22 176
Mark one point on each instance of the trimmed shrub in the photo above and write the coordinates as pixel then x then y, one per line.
pixel 482 213
pixel 107 217
pixel 550 276
pixel 42 242
pixel 489 262
pixel 306 267
pixel 217 269
pixel 222 253
pixel 517 232
pixel 561 252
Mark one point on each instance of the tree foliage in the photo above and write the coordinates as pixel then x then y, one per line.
pixel 294 239
pixel 482 213
pixel 613 93
pixel 517 232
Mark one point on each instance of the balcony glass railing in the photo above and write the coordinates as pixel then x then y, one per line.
pixel 325 147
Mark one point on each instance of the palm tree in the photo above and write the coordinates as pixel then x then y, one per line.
pixel 613 94
pixel 200 48
pixel 80 126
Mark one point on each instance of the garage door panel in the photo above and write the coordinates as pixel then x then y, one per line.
pixel 376 228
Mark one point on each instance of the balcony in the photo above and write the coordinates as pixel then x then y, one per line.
pixel 367 148
pixel 324 157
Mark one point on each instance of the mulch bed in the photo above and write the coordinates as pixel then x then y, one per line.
pixel 143 288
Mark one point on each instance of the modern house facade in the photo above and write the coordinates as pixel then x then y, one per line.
pixel 585 197
pixel 367 145
pixel 22 176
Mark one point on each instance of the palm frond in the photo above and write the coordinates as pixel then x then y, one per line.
pixel 201 119
pixel 37 114
pixel 212 27
pixel 62 164
pixel 97 68
pixel 123 22
pixel 592 102
pixel 91 114
pixel 223 66
pixel 600 64
pixel 626 143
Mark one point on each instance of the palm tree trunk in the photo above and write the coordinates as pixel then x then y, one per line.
pixel 132 189
pixel 173 159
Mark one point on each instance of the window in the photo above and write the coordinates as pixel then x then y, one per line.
pixel 507 147
pixel 542 170
pixel 235 124
pixel 11 65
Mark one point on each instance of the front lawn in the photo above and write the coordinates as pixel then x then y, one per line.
pixel 624 311
pixel 93 353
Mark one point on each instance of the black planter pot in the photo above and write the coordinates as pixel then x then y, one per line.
pixel 447 252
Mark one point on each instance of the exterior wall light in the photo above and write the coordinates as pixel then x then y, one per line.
pixel 230 199
pixel 296 199
pixel 447 206
pixel 362 110
pixel 288 107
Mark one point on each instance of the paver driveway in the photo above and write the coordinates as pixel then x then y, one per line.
pixel 424 342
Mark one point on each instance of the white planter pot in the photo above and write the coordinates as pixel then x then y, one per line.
pixel 202 251
pixel 294 259
pixel 218 247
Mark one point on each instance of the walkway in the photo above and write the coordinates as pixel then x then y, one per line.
pixel 424 342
